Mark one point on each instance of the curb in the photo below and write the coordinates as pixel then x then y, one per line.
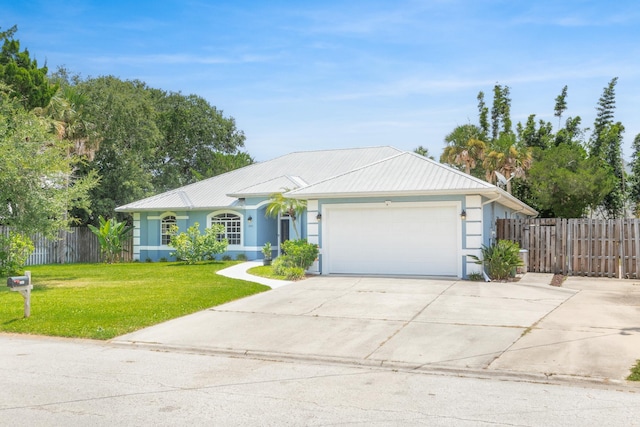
pixel 428 369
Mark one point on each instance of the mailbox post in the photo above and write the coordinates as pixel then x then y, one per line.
pixel 23 285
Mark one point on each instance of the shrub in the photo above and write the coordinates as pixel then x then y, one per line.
pixel 300 253
pixel 192 246
pixel 500 260
pixel 241 257
pixel 475 277
pixel 111 235
pixel 294 273
pixel 15 250
pixel 226 257
pixel 266 250
pixel 282 266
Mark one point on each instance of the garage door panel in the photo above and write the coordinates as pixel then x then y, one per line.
pixel 393 240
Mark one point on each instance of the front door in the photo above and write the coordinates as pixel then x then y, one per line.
pixel 284 231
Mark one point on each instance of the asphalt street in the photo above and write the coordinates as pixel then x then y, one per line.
pixel 62 382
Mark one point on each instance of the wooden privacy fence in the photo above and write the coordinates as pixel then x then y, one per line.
pixel 79 245
pixel 577 247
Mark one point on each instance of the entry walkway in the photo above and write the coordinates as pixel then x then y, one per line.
pixel 239 271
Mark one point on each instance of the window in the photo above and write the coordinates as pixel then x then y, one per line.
pixel 165 229
pixel 232 226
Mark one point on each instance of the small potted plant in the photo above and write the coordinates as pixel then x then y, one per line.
pixel 266 251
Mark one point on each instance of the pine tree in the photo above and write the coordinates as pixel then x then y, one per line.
pixel 561 105
pixel 614 202
pixel 500 112
pixel 634 182
pixel 483 113
pixel 604 118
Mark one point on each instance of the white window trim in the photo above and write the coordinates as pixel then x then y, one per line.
pixel 162 217
pixel 232 212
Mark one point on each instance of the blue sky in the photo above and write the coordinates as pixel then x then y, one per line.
pixel 308 75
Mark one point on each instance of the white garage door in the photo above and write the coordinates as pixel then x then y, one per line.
pixel 395 239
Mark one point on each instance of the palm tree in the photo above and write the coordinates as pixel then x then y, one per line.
pixel 280 205
pixel 508 159
pixel 464 147
pixel 65 113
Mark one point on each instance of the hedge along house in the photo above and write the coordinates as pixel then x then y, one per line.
pixel 377 210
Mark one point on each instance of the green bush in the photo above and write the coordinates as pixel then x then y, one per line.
pixel 241 257
pixel 15 250
pixel 300 253
pixel 192 246
pixel 500 260
pixel 282 266
pixel 111 235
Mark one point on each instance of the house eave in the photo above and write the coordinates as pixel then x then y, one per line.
pixel 504 197
pixel 126 209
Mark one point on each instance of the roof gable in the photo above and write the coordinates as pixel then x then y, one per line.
pixel 403 173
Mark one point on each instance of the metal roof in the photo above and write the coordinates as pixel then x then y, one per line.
pixel 275 185
pixel 302 167
pixel 358 172
pixel 405 174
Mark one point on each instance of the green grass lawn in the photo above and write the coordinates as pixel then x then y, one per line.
pixel 265 271
pixel 101 301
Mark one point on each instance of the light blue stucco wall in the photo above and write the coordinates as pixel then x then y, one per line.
pixel 257 229
pixel 492 212
pixel 261 229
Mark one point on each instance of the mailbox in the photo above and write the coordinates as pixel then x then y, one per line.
pixel 18 281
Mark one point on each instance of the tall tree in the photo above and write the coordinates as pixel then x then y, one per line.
pixel 500 111
pixel 534 134
pixel 193 133
pixel 28 82
pixel 561 105
pixel 634 187
pixel 615 201
pixel 37 184
pixel 571 132
pixel 604 118
pixel 483 116
pixel 124 117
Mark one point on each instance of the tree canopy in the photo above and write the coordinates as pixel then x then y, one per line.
pixel 28 82
pixel 558 173
pixel 90 145
pixel 37 180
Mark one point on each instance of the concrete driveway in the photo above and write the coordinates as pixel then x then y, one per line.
pixel 522 327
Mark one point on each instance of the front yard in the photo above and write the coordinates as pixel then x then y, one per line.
pixel 101 301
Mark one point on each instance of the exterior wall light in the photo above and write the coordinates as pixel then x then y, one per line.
pixel 319 217
pixel 250 219
pixel 463 215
